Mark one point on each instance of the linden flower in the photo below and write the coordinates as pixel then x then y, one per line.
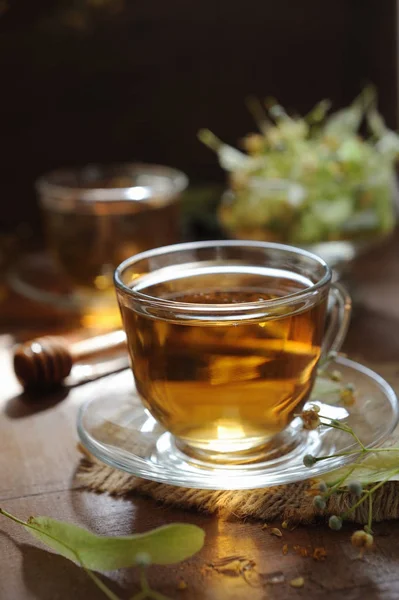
pixel 335 523
pixel 355 487
pixel 254 143
pixel 335 375
pixel 310 419
pixel 347 395
pixel 274 136
pixel 319 502
pixel 322 487
pixel 361 539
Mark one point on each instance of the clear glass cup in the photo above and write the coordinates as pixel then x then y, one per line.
pixel 97 216
pixel 224 339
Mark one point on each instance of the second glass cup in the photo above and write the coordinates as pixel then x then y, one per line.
pixel 97 216
pixel 224 339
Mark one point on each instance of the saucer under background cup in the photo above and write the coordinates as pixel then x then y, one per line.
pixel 116 428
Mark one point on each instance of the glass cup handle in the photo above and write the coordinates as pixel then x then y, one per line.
pixel 339 312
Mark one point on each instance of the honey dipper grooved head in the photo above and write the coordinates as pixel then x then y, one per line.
pixel 42 363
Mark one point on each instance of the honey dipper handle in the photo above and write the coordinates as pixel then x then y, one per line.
pixel 116 340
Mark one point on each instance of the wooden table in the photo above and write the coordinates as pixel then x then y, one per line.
pixel 38 459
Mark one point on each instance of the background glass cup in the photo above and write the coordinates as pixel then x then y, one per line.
pixel 97 216
pixel 224 339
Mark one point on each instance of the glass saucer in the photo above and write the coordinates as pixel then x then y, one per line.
pixel 116 429
pixel 36 277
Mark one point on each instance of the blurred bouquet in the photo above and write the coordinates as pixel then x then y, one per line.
pixel 311 180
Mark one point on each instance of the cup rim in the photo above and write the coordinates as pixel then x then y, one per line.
pixel 191 307
pixel 46 186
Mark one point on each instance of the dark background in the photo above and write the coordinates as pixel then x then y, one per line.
pixel 114 80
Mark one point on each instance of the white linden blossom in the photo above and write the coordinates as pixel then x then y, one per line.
pixel 340 184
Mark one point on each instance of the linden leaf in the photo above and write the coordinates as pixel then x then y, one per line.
pixel 165 545
pixel 326 390
pixel 376 467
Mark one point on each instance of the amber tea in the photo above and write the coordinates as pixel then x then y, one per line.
pixel 89 244
pixel 98 216
pixel 230 382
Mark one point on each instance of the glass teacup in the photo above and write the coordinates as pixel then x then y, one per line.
pixel 99 215
pixel 225 337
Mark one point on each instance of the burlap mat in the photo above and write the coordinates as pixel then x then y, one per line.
pixel 291 502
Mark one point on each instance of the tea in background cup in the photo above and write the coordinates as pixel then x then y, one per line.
pixel 97 216
pixel 225 337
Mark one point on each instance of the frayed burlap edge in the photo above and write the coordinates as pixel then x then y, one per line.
pixel 286 502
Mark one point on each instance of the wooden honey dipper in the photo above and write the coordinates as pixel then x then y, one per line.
pixel 46 361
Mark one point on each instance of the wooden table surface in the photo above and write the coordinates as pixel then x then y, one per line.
pixel 38 460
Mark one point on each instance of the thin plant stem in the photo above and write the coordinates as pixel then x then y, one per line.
pixel 370 519
pixel 344 428
pixel 15 519
pixel 348 453
pixel 146 591
pixel 324 361
pixel 100 584
pixel 140 596
pixel 337 484
pixel 158 596
pixel 369 492
pixel 143 580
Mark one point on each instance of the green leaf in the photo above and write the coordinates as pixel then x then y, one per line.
pixel 165 545
pixel 325 387
pixel 374 468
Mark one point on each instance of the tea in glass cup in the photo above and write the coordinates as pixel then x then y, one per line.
pixel 97 216
pixel 224 339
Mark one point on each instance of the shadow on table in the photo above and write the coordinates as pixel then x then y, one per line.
pixel 28 403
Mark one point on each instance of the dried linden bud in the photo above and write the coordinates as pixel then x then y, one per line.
pixel 323 487
pixel 309 460
pixel 355 487
pixel 335 375
pixel 347 395
pixel 254 143
pixel 361 539
pixel 335 523
pixel 319 502
pixel 311 419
